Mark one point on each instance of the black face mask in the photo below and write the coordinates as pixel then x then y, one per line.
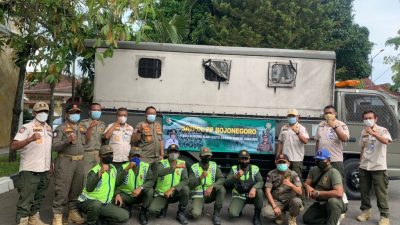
pixel 321 164
pixel 107 159
pixel 243 165
pixel 205 160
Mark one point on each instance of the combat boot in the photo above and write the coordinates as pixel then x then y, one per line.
pixel 292 220
pixel 75 217
pixel 216 220
pixel 57 219
pixel 180 215
pixel 365 215
pixel 384 221
pixel 143 220
pixel 256 217
pixel 23 221
pixel 35 220
pixel 280 219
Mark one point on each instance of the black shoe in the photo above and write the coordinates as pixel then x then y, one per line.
pixel 143 217
pixel 216 220
pixel 256 217
pixel 162 214
pixel 181 218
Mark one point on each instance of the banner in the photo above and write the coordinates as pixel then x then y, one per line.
pixel 219 134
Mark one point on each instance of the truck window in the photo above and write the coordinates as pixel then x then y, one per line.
pixel 356 104
pixel 282 74
pixel 217 70
pixel 149 68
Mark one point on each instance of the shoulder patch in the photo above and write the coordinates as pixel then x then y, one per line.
pixel 21 130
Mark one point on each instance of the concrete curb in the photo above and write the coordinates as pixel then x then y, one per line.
pixel 6 184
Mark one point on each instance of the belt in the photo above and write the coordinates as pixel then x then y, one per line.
pixel 92 150
pixel 72 157
pixel 38 173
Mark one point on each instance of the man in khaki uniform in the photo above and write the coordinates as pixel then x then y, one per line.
pixel 331 134
pixel 119 135
pixel 374 140
pixel 34 142
pixel 68 142
pixel 95 129
pixel 291 141
pixel 283 191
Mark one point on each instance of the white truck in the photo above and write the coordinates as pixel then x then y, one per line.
pixel 215 94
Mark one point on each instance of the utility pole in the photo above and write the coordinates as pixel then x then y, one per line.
pixel 372 60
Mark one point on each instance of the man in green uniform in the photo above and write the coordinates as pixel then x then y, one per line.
pixel 324 184
pixel 172 186
pixel 283 191
pixel 94 133
pixel 33 141
pixel 68 142
pixel 207 183
pixel 374 140
pixel 136 186
pixel 97 195
pixel 247 184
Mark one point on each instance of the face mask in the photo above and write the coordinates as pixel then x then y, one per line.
pixel 243 165
pixel 42 117
pixel 74 117
pixel 282 167
pixel 122 119
pixel 292 120
pixel 205 160
pixel 107 159
pixel 151 118
pixel 322 165
pixel 173 156
pixel 95 115
pixel 136 160
pixel 329 116
pixel 369 123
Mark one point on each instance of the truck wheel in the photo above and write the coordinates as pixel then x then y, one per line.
pixel 189 161
pixel 351 180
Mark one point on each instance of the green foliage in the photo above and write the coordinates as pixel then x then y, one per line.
pixel 395 62
pixel 27 115
pixel 85 90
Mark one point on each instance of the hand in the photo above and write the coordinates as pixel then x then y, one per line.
pixel 118 200
pixel 52 169
pixel 161 157
pixel 239 174
pixel 208 191
pixel 287 182
pixel 35 137
pixel 131 165
pixel 369 130
pixel 331 123
pixel 295 129
pixel 136 192
pixel 180 166
pixel 314 194
pixel 93 123
pixel 116 125
pixel 252 193
pixel 104 167
pixel 309 190
pixel 277 211
pixel 72 137
pixel 169 193
pixel 203 175
pixel 142 126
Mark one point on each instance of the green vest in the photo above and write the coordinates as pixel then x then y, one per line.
pixel 198 192
pixel 131 181
pixel 166 182
pixel 254 170
pixel 104 190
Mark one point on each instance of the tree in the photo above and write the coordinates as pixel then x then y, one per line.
pixel 395 61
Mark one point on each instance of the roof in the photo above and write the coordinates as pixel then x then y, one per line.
pixel 368 84
pixel 64 86
pixel 225 50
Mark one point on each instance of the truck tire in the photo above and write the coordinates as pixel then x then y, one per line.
pixel 189 161
pixel 351 179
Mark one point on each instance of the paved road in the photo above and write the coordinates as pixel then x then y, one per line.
pixel 8 202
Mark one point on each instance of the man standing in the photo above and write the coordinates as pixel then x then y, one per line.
pixel 291 141
pixel 283 191
pixel 119 135
pixel 97 195
pixel 207 183
pixel 372 173
pixel 172 186
pixel 137 184
pixel 247 182
pixel 34 142
pixel 331 134
pixel 69 139
pixel 324 184
pixel 94 133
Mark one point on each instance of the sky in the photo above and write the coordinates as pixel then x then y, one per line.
pixel 382 18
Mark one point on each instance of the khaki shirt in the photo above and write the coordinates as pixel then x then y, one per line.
pixel 35 156
pixel 329 140
pixel 97 134
pixel 292 145
pixel 150 140
pixel 120 141
pixel 61 143
pixel 280 191
pixel 328 181
pixel 374 156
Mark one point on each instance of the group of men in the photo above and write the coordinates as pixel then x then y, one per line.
pixel 104 181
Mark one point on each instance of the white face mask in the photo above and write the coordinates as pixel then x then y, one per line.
pixel 122 119
pixel 369 123
pixel 42 117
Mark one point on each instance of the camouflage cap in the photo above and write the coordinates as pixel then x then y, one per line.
pixel 205 151
pixel 135 151
pixel 173 147
pixel 72 108
pixel 244 154
pixel 105 149
pixel 40 106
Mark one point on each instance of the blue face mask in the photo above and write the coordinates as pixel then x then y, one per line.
pixel 95 114
pixel 136 160
pixel 151 118
pixel 282 167
pixel 292 120
pixel 74 117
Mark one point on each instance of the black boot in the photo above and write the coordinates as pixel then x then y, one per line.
pixel 256 217
pixel 216 220
pixel 180 216
pixel 162 213
pixel 143 217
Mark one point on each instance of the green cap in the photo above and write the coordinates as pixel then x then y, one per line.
pixel 135 151
pixel 105 149
pixel 204 151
